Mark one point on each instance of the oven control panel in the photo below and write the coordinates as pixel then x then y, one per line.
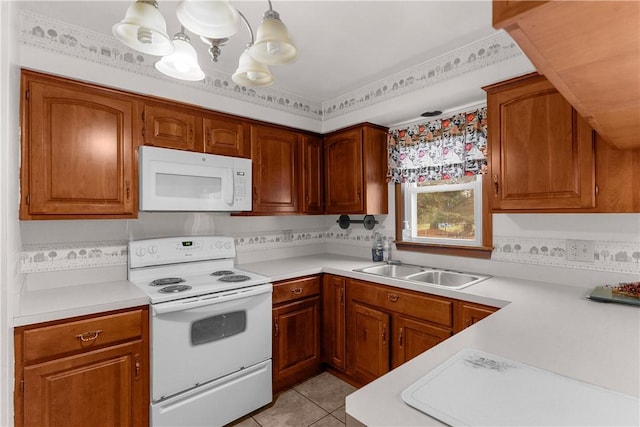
pixel 170 250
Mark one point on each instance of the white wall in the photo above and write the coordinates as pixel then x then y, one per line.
pixel 10 242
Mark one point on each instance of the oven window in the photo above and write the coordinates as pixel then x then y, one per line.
pixel 218 327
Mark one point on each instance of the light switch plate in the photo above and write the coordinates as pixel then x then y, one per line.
pixel 580 250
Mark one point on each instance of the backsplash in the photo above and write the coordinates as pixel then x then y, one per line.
pixel 609 256
pixel 619 257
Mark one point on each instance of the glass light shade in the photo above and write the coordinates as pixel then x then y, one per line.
pixel 214 19
pixel 251 73
pixel 272 45
pixel 144 29
pixel 182 63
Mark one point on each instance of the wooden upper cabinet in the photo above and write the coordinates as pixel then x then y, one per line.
pixel 542 150
pixel 172 126
pixel 312 185
pixel 78 150
pixel 275 152
pixel 226 136
pixel 589 50
pixel 617 178
pixel 355 171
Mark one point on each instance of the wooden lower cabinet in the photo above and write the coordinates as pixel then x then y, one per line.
pixel 101 380
pixel 469 313
pixel 387 326
pixel 414 337
pixel 334 316
pixel 296 331
pixel 368 337
pixel 99 388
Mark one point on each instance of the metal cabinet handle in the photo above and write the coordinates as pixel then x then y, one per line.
pixel 384 333
pixel 341 296
pixel 400 337
pixel 89 335
pixel 127 186
pixel 297 291
pixel 276 328
pixel 496 184
pixel 393 297
pixel 137 365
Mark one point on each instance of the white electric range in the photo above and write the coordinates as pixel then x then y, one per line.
pixel 210 330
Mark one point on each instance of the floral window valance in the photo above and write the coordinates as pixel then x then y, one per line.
pixel 440 149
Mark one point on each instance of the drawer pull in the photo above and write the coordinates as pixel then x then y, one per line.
pixel 393 297
pixel 89 335
pixel 297 291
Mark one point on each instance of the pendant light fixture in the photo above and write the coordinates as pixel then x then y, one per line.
pixel 273 45
pixel 183 62
pixel 251 72
pixel 144 29
pixel 214 19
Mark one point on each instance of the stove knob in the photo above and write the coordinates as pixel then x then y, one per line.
pixel 218 244
pixel 227 245
pixel 140 251
pixel 153 249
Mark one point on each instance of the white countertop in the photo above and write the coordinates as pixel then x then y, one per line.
pixel 60 303
pixel 548 326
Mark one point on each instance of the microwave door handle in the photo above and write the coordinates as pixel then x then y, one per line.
pixel 229 187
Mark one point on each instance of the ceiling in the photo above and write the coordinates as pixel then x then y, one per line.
pixel 343 45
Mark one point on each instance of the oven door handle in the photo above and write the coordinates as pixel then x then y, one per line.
pixel 211 299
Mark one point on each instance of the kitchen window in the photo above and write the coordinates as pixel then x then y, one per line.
pixel 441 189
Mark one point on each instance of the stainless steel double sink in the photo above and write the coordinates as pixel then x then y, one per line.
pixel 424 275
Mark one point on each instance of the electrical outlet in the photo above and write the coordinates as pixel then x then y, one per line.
pixel 579 250
pixel 287 236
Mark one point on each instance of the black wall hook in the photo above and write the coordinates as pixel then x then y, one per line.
pixel 369 221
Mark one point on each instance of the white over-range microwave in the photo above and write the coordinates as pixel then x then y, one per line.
pixel 176 180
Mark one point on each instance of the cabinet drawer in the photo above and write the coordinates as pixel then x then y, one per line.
pixel 48 341
pixel 415 304
pixel 296 289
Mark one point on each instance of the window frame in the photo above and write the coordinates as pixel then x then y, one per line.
pixel 411 190
pixel 484 250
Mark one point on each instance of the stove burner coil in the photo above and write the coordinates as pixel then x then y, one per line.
pixel 222 273
pixel 167 281
pixel 174 288
pixel 234 278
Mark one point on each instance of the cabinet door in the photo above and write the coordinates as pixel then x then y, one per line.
pixel 368 342
pixel 541 149
pixel 344 180
pixel 99 388
pixel 413 338
pixel 312 175
pixel 77 150
pixel 469 313
pixel 296 342
pixel 170 126
pixel 226 136
pixel 275 170
pixel 333 320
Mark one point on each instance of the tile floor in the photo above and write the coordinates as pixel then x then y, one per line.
pixel 317 402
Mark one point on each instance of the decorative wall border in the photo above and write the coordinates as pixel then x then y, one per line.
pixel 57 257
pixel 619 257
pixel 479 54
pixel 46 33
pixel 50 34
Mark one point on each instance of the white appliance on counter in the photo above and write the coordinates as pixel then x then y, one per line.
pixel 210 330
pixel 176 180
